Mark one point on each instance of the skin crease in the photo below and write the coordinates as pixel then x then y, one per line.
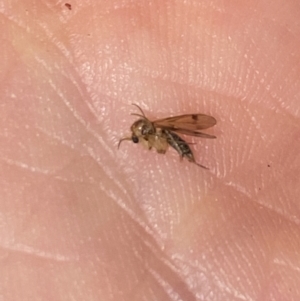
pixel 81 220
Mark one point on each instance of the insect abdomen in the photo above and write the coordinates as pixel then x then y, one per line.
pixel 179 145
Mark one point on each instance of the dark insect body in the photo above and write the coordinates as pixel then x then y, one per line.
pixel 160 134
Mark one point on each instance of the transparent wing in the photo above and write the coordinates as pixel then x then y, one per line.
pixel 194 133
pixel 188 124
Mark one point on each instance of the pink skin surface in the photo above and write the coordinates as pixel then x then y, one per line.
pixel 82 220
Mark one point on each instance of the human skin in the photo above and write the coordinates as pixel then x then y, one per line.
pixel 82 220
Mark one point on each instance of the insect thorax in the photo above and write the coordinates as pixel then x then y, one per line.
pixel 143 128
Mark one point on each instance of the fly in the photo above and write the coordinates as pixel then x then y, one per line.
pixel 162 133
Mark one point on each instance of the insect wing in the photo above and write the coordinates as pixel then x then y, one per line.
pixel 186 123
pixel 194 133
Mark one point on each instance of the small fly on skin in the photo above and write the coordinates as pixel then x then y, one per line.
pixel 162 133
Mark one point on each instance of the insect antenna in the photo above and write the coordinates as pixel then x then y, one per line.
pixel 121 140
pixel 139 115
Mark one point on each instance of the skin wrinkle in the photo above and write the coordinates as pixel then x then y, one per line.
pixel 218 281
pixel 264 205
pixel 162 278
pixel 286 263
pixel 25 166
pixel 32 251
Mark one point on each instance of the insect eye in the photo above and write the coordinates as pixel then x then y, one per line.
pixel 135 139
